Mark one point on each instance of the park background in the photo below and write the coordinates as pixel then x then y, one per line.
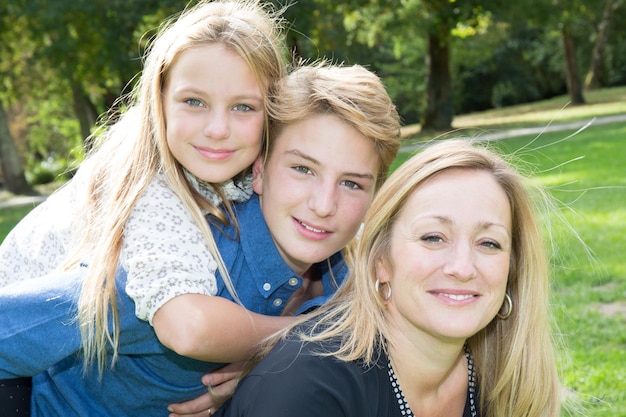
pixel 544 80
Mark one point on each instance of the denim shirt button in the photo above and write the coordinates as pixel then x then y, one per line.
pixel 277 302
pixel 293 281
pixel 267 286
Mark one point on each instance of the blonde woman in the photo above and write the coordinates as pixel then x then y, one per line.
pixel 445 312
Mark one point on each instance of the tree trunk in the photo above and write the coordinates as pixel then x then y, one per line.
pixel 574 87
pixel 84 110
pixel 15 180
pixel 439 110
pixel 594 76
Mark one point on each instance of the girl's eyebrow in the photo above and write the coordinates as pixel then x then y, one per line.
pixel 298 153
pixel 194 90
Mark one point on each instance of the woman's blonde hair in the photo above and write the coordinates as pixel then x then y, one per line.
pixel 135 149
pixel 352 93
pixel 514 358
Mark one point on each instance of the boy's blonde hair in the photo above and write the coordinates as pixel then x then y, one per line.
pixel 135 149
pixel 352 93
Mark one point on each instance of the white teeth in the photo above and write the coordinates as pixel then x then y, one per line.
pixel 312 229
pixel 458 297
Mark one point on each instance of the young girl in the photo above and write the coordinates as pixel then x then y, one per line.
pixel 193 127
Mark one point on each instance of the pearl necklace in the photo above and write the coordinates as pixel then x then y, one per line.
pixel 471 376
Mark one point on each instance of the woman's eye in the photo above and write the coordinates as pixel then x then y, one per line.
pixel 432 239
pixel 490 244
pixel 242 107
pixel 194 102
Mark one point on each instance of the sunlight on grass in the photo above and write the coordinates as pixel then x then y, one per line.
pixel 599 103
pixel 602 102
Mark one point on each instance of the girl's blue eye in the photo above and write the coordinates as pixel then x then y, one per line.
pixel 194 102
pixel 242 107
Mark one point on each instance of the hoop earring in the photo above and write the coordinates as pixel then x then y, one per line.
pixel 377 286
pixel 509 310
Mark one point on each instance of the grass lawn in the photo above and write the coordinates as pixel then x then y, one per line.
pixel 10 216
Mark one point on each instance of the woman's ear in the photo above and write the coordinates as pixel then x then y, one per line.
pixel 383 273
pixel 257 174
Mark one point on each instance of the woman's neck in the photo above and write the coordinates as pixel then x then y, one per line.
pixel 432 374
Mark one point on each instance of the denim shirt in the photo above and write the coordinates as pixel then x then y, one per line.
pixel 263 281
pixel 39 334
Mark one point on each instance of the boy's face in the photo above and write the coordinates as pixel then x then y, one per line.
pixel 315 188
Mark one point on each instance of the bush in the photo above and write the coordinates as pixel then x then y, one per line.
pixel 47 171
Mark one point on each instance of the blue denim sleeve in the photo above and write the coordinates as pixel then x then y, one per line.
pixel 38 323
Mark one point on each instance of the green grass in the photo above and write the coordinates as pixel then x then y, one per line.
pixel 10 216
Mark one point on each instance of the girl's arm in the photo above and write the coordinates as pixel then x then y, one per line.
pixel 213 329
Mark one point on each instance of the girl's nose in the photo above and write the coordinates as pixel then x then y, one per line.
pixel 217 125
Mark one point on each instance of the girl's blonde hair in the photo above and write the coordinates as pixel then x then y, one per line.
pixel 134 150
pixel 352 93
pixel 514 358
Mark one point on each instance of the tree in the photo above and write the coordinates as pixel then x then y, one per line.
pixel 64 63
pixel 594 75
pixel 572 77
pixel 439 110
pixel 15 180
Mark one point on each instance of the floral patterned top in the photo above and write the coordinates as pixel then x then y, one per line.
pixel 163 251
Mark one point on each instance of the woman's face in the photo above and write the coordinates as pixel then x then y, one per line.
pixel 449 260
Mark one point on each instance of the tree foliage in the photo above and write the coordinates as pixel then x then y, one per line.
pixel 65 62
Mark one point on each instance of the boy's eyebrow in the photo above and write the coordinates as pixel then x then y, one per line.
pixel 366 175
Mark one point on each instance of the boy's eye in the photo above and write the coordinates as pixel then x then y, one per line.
pixel 242 107
pixel 352 185
pixel 302 169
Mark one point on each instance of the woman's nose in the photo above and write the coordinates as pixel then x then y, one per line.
pixel 460 264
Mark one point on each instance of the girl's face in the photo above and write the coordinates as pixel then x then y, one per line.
pixel 316 187
pixel 450 254
pixel 214 112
